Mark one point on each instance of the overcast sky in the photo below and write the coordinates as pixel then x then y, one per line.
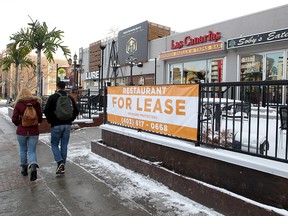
pixel 86 21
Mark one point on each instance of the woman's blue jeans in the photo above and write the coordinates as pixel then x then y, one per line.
pixel 60 135
pixel 27 146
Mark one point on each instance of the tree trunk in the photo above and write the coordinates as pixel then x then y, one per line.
pixel 16 82
pixel 39 77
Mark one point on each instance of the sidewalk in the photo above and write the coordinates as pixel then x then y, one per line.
pixel 91 185
pixel 75 193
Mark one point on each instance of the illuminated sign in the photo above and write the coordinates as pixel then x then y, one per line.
pixel 168 109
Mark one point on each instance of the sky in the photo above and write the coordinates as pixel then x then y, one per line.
pixel 134 186
pixel 85 22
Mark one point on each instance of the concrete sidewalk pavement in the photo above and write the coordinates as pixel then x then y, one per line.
pixel 92 185
pixel 75 193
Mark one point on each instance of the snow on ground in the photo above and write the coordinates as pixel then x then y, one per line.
pixel 125 182
pixel 131 185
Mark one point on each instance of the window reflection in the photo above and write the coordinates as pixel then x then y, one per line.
pixel 197 71
pixel 194 72
pixel 216 70
pixel 176 74
pixel 274 66
pixel 251 67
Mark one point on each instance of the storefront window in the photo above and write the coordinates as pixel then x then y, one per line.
pixel 274 66
pixel 251 67
pixel 216 70
pixel 195 72
pixel 285 90
pixel 176 74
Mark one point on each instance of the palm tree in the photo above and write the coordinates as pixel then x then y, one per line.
pixel 37 36
pixel 18 56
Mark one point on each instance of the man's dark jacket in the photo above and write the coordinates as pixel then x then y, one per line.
pixel 51 107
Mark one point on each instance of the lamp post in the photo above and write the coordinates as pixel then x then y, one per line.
pixel 102 47
pixel 132 62
pixel 57 75
pixel 76 68
pixel 80 62
pixel 115 66
pixel 99 78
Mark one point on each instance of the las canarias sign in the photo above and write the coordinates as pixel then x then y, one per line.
pixel 167 109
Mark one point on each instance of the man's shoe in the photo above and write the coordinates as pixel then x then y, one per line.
pixel 60 169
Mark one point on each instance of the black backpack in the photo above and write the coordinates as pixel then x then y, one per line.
pixel 64 107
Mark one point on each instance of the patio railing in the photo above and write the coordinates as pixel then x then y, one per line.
pixel 88 102
pixel 247 117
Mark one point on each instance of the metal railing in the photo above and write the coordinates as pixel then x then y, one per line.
pixel 247 117
pixel 88 102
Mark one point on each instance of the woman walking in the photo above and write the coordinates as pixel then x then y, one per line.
pixel 27 136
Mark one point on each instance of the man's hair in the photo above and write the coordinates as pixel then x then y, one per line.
pixel 61 85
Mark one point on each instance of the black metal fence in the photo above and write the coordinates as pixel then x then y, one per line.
pixel 247 117
pixel 89 103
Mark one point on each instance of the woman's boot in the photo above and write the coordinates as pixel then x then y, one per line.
pixel 24 170
pixel 33 174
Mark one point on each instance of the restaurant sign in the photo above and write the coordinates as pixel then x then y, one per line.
pixel 192 51
pixel 191 41
pixel 261 38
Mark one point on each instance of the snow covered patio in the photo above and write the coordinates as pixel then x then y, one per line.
pixel 230 182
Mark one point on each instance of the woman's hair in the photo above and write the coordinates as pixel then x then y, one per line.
pixel 24 93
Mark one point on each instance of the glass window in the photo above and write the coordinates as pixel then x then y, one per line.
pixel 195 72
pixel 176 74
pixel 251 67
pixel 216 70
pixel 274 66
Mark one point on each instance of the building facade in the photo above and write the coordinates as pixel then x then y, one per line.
pixel 252 47
pixel 248 48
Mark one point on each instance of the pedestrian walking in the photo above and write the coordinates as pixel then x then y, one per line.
pixel 27 132
pixel 60 111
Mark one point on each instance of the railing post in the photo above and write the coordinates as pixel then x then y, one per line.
pixel 104 104
pixel 89 105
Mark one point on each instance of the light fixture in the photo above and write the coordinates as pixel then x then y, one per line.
pixel 76 71
pixel 115 66
pixel 132 62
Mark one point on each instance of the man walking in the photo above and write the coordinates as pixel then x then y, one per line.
pixel 60 123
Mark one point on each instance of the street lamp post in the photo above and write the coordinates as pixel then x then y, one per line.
pixel 99 78
pixel 80 86
pixel 102 47
pixel 115 66
pixel 76 68
pixel 132 62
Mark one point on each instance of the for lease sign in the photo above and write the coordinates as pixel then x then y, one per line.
pixel 168 109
